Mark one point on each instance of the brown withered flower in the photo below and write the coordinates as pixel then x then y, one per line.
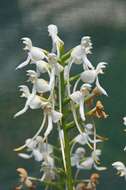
pixel 81 186
pixel 25 181
pixel 93 181
pixel 98 111
pixel 91 185
pixel 94 178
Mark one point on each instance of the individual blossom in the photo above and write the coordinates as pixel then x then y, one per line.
pixel 94 180
pixel 78 98
pixel 121 168
pixel 39 85
pixel 88 163
pixel 42 67
pixel 84 139
pixel 98 111
pixel 79 53
pixel 91 76
pixel 52 60
pixel 79 56
pixel 37 149
pixel 57 43
pixel 89 184
pixel 53 116
pixel 33 101
pixel 92 161
pixel 34 53
pixel 24 179
pixel 77 156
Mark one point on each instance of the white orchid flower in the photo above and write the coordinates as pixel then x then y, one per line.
pixel 84 138
pixel 52 60
pixel 121 168
pixel 78 98
pixel 34 53
pixel 89 162
pixel 56 41
pixel 33 101
pixel 79 53
pixel 38 149
pixel 40 85
pixel 91 76
pixel 53 117
pixel 79 56
pixel 42 67
pixel 88 128
pixel 77 156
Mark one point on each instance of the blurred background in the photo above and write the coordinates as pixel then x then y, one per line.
pixel 105 22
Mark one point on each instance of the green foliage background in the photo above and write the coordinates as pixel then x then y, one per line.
pixel 105 22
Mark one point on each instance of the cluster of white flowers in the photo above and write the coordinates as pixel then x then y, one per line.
pixel 46 95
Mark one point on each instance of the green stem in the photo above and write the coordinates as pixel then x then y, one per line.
pixel 69 181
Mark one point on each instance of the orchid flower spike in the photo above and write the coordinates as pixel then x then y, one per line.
pixel 79 53
pixel 78 98
pixel 121 168
pixel 53 117
pixel 38 149
pixel 33 101
pixel 91 76
pixel 34 53
pixel 39 85
pixel 56 41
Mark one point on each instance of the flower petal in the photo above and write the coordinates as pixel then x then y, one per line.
pixel 88 76
pixel 49 127
pixel 37 155
pixel 102 90
pixel 56 116
pixel 25 156
pixel 76 97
